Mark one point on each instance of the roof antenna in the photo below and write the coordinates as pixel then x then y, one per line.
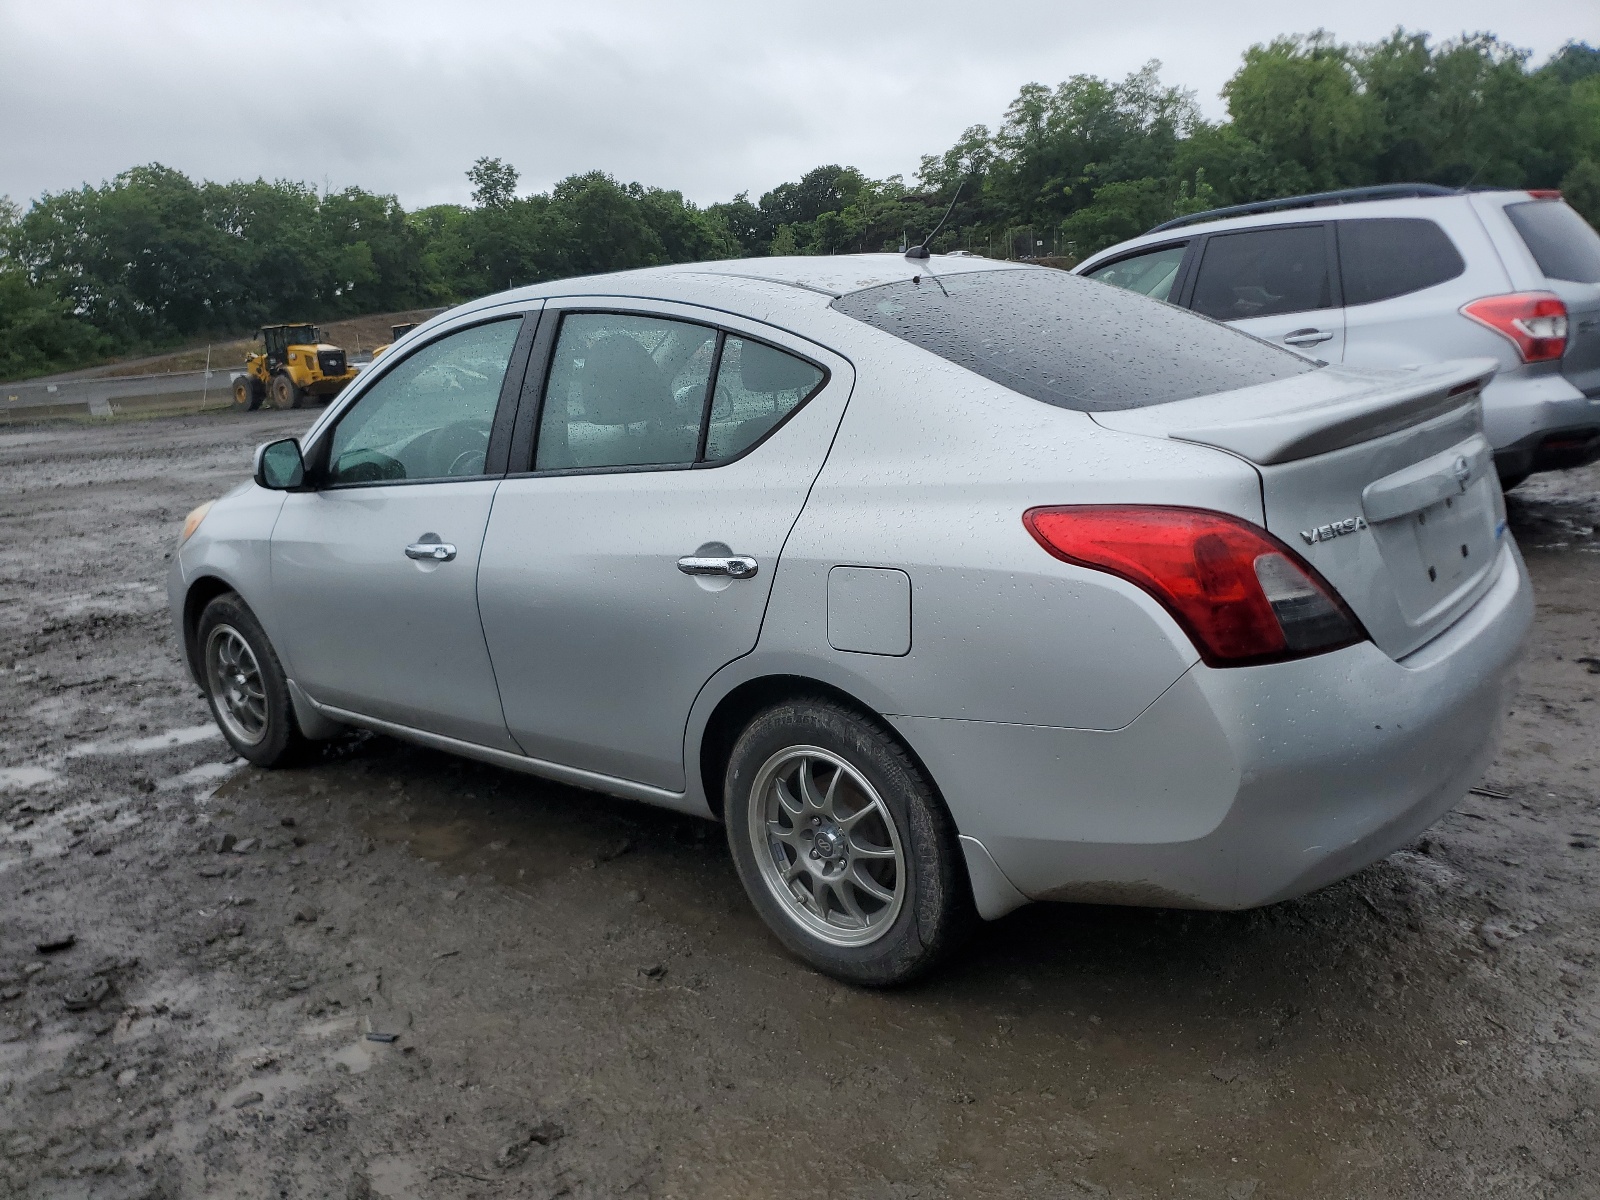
pixel 921 251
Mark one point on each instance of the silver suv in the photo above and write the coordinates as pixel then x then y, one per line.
pixel 1406 274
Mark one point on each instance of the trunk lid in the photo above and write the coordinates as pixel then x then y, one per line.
pixel 1383 481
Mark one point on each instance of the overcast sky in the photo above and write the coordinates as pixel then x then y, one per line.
pixel 711 97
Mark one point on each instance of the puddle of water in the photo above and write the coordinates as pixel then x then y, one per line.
pixel 356 1057
pixel 148 745
pixel 25 777
pixel 205 773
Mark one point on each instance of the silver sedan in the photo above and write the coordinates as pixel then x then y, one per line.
pixel 945 584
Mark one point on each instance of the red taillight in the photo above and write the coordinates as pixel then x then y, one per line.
pixel 1536 322
pixel 1240 594
pixel 1545 193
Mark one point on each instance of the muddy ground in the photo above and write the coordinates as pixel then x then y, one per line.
pixel 572 997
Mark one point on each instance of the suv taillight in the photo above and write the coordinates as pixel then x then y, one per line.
pixel 1536 322
pixel 1240 594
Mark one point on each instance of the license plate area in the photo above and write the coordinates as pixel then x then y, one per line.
pixel 1435 553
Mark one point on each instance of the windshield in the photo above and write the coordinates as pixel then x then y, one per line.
pixel 1068 341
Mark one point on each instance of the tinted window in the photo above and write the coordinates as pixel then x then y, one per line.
pixel 757 386
pixel 1389 257
pixel 1263 272
pixel 429 416
pixel 1148 274
pixel 625 391
pixel 1561 241
pixel 1070 341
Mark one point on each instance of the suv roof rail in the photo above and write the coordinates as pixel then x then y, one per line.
pixel 1382 191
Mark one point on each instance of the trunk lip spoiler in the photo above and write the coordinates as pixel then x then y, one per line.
pixel 1450 472
pixel 1304 427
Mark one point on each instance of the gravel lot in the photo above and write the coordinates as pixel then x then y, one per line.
pixel 567 995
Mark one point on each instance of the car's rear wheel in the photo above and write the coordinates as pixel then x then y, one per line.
pixel 284 392
pixel 246 685
pixel 842 845
pixel 247 393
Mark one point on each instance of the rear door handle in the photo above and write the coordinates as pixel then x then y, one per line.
pixel 1307 337
pixel 431 551
pixel 738 566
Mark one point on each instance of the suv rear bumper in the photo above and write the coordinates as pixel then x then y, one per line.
pixel 1539 423
pixel 1557 450
pixel 1244 786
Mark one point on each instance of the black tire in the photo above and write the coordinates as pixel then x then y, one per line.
pixel 285 394
pixel 247 393
pixel 280 742
pixel 935 906
pixel 1507 482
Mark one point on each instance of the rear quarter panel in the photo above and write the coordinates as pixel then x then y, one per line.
pixel 931 473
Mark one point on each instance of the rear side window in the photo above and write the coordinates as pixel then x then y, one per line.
pixel 1561 241
pixel 625 391
pixel 1388 257
pixel 633 390
pixel 1148 274
pixel 1070 341
pixel 1263 272
pixel 757 387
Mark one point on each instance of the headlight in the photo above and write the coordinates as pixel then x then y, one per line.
pixel 192 521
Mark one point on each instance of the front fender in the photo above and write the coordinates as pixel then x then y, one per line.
pixel 233 546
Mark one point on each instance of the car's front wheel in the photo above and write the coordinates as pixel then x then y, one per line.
pixel 246 685
pixel 842 845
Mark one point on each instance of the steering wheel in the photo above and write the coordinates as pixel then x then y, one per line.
pixel 464 445
pixel 367 466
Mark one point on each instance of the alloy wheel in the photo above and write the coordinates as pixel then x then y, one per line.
pixel 235 682
pixel 827 846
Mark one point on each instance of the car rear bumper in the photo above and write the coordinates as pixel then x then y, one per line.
pixel 1245 786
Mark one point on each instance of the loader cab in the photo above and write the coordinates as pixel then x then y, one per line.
pixel 278 339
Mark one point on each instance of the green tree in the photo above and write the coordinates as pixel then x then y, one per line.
pixel 1300 100
pixel 1581 189
pixel 494 183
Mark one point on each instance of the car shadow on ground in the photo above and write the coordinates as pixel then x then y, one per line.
pixel 1354 954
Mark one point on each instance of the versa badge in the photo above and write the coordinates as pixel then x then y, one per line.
pixel 1323 533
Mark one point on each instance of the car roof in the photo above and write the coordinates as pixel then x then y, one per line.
pixel 799 283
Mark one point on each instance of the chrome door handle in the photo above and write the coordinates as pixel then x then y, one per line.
pixel 739 566
pixel 436 551
pixel 1307 337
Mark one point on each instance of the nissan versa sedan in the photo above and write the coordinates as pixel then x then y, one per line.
pixel 945 584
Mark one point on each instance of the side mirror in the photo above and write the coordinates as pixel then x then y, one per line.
pixel 279 466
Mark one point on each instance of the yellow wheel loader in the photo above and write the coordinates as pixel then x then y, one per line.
pixel 292 366
pixel 396 332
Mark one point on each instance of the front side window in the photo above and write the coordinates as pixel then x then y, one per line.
pixel 1263 272
pixel 429 417
pixel 757 387
pixel 1385 257
pixel 625 391
pixel 1149 274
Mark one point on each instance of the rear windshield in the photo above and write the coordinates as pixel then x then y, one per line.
pixel 1072 342
pixel 1560 241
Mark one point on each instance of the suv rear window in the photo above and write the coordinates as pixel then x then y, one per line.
pixel 1390 256
pixel 1069 341
pixel 1561 241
